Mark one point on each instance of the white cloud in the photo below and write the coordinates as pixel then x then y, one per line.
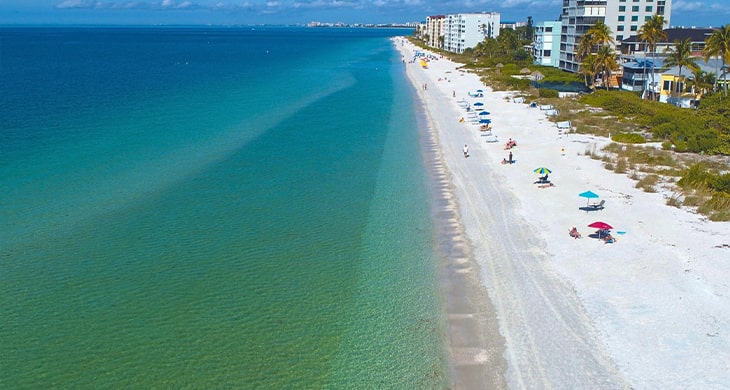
pixel 75 4
pixel 688 5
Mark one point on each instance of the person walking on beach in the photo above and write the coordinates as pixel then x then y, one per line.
pixel 466 151
pixel 510 157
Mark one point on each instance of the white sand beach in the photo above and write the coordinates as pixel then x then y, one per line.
pixel 650 311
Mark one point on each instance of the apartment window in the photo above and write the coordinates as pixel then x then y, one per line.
pixel 621 8
pixel 621 18
pixel 546 53
pixel 635 8
pixel 647 17
pixel 620 28
pixel 649 8
pixel 635 18
pixel 634 28
pixel 619 38
pixel 548 29
pixel 667 85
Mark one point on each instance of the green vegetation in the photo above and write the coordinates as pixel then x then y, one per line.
pixel 686 136
pixel 628 138
pixel 547 93
pixel 648 183
pixel 708 190
pixel 705 130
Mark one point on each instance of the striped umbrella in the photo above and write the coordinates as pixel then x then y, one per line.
pixel 542 170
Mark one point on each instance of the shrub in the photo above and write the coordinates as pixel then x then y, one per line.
pixel 694 177
pixel 717 207
pixel 647 183
pixel 675 200
pixel 547 93
pixel 628 138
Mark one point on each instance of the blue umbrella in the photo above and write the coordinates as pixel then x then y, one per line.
pixel 542 170
pixel 479 90
pixel 588 194
pixel 478 104
pixel 485 121
pixel 484 113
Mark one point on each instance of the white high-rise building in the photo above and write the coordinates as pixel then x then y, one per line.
pixel 623 17
pixel 464 31
pixel 435 30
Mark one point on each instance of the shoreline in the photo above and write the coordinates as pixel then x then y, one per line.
pixel 527 306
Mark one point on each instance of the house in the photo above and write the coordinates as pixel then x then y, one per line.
pixel 668 85
pixel 633 46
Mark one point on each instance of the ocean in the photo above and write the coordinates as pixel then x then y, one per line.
pixel 214 208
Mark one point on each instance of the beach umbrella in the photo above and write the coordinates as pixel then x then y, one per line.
pixel 542 170
pixel 478 104
pixel 601 225
pixel 484 113
pixel 479 90
pixel 589 195
pixel 485 121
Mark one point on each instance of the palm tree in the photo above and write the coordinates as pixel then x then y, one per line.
pixel 701 81
pixel 680 55
pixel 596 36
pixel 651 33
pixel 718 44
pixel 587 68
pixel 605 63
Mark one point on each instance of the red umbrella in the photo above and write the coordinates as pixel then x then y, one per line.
pixel 601 225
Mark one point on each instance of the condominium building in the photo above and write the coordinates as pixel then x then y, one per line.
pixel 623 17
pixel 435 31
pixel 546 47
pixel 464 31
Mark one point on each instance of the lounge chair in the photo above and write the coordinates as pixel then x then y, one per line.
pixel 598 206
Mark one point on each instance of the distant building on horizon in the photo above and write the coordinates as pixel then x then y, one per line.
pixel 511 24
pixel 623 17
pixel 546 43
pixel 464 31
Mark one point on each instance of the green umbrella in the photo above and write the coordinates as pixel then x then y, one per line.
pixel 542 170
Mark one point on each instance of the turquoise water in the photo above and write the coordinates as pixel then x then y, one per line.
pixel 210 208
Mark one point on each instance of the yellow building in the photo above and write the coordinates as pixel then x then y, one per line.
pixel 673 91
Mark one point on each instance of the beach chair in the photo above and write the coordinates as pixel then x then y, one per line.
pixel 598 206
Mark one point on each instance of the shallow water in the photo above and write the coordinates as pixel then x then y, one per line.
pixel 214 207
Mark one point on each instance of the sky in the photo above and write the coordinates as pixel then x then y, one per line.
pixel 687 13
